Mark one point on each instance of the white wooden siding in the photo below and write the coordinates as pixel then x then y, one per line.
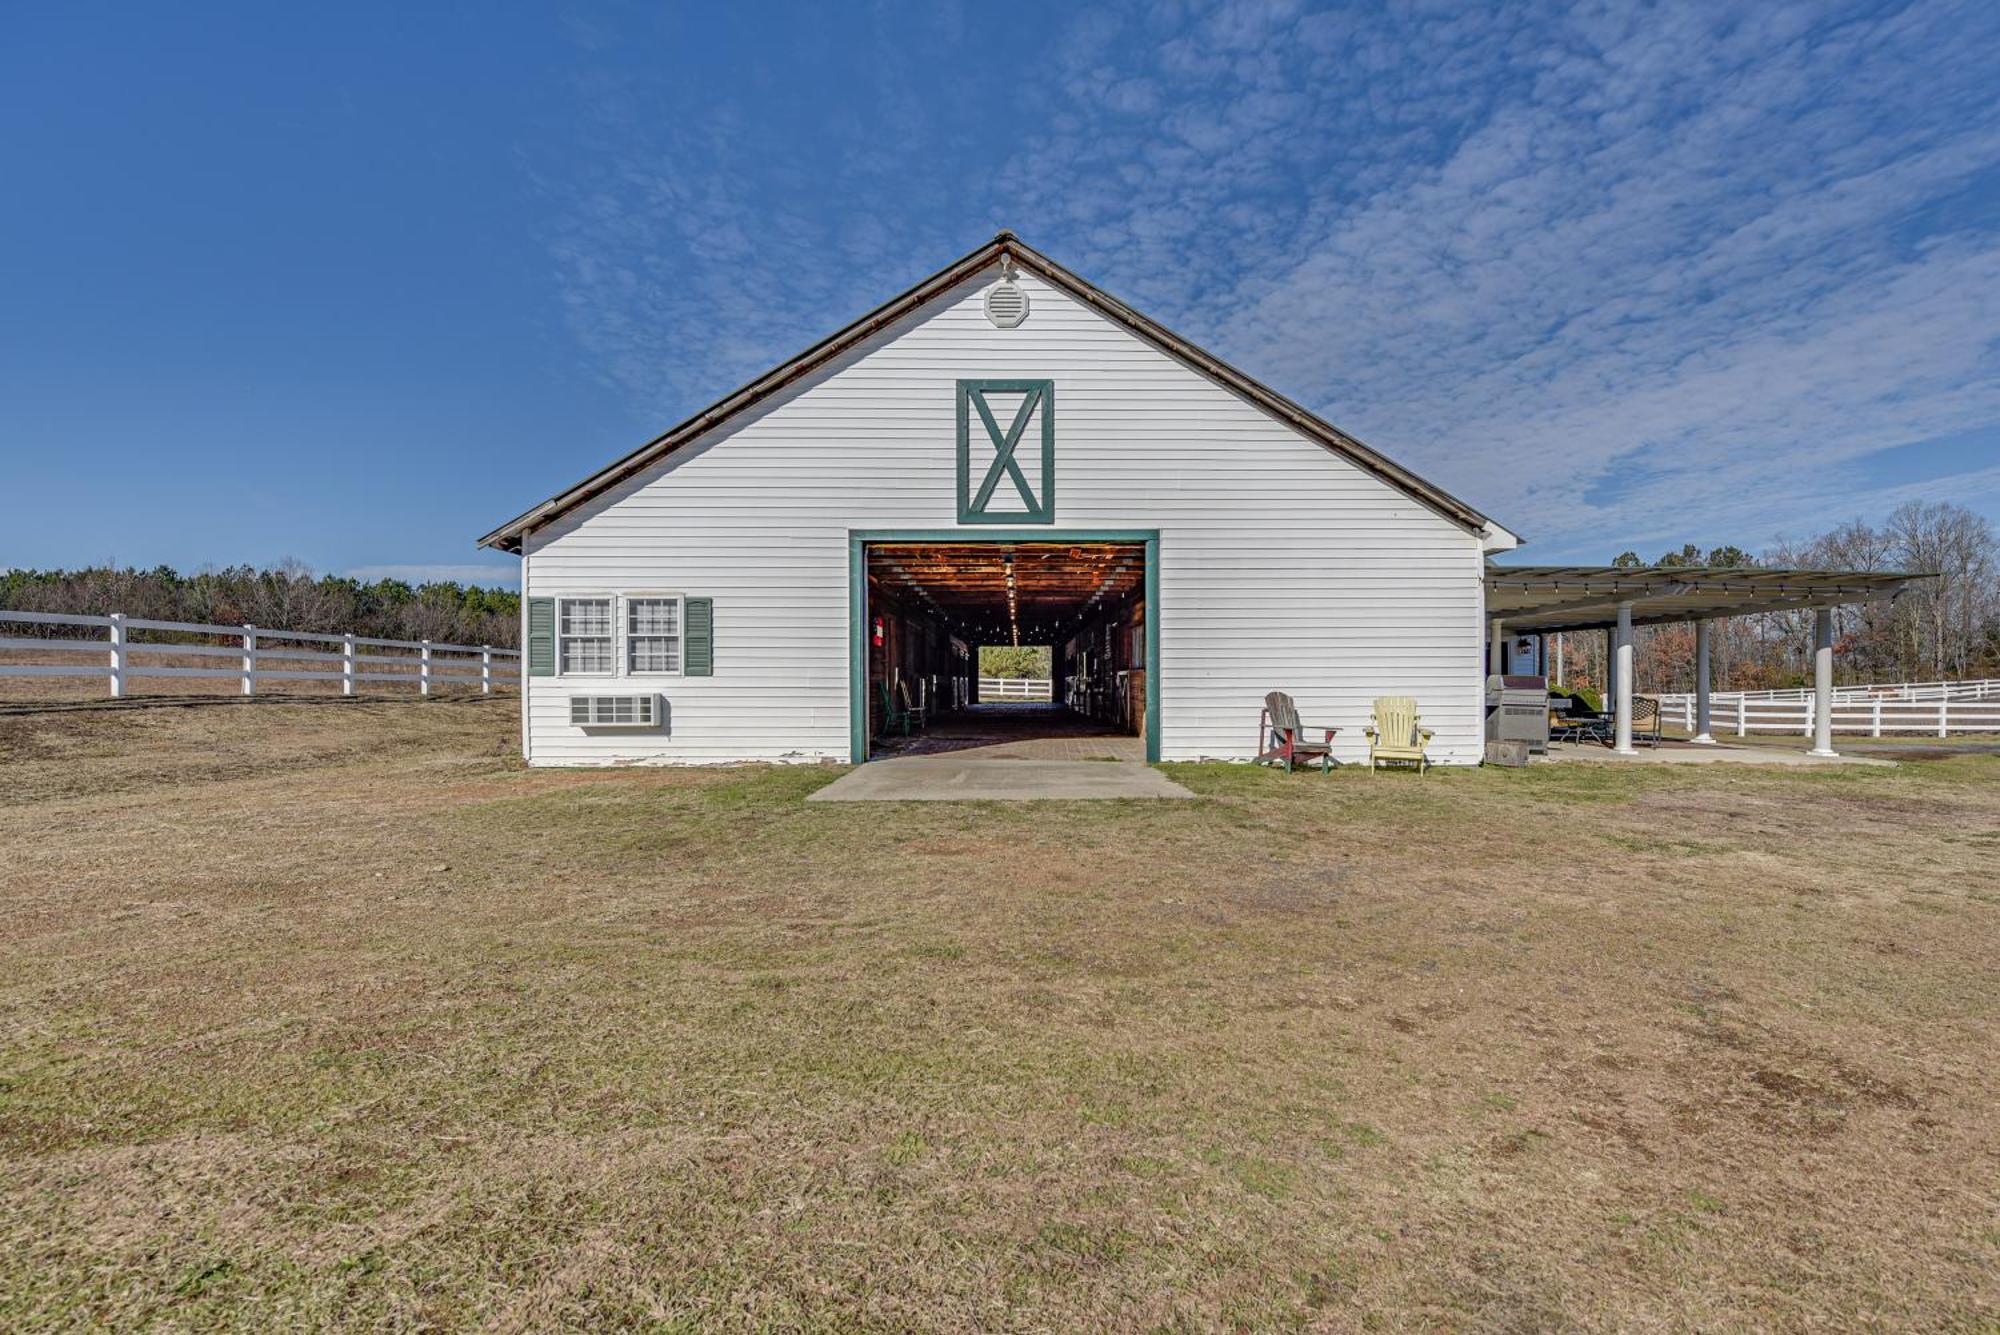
pixel 1282 565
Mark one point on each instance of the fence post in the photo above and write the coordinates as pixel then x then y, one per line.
pixel 347 664
pixel 424 670
pixel 117 655
pixel 249 659
pixel 1742 725
pixel 1941 719
pixel 486 669
pixel 1809 716
pixel 1875 723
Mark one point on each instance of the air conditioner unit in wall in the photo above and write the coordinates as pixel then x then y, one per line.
pixel 614 711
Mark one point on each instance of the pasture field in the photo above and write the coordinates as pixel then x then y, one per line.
pixel 330 1014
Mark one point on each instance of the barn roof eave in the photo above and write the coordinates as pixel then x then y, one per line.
pixel 510 536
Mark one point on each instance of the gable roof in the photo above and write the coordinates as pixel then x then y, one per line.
pixel 508 537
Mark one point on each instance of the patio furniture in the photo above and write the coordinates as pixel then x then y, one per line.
pixel 1645 721
pixel 1397 736
pixel 893 719
pixel 1281 737
pixel 1575 721
pixel 912 713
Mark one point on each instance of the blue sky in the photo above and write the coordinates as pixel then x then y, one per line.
pixel 353 285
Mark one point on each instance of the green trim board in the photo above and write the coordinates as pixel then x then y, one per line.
pixel 974 502
pixel 857 611
pixel 1153 650
pixel 857 650
pixel 1004 535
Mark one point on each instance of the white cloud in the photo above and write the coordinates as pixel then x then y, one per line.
pixel 1619 276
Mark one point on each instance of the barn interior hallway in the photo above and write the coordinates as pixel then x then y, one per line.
pixel 932 605
pixel 1010 730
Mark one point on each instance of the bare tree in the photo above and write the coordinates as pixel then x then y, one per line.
pixel 1946 626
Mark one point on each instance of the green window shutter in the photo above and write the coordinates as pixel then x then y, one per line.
pixel 698 660
pixel 541 637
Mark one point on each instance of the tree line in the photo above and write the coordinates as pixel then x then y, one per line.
pixel 289 596
pixel 1010 660
pixel 1948 626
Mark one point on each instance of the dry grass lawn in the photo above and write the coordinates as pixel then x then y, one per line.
pixel 333 1015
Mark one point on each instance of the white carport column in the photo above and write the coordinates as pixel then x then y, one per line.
pixel 1822 682
pixel 1492 647
pixel 1623 657
pixel 1701 724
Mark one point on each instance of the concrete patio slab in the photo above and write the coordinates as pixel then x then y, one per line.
pixel 971 777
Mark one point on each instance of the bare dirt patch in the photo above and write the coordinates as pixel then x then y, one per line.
pixel 333 1015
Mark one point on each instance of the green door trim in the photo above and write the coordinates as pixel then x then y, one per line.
pixel 1153 650
pixel 858 616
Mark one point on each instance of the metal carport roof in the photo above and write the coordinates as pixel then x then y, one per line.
pixel 1551 598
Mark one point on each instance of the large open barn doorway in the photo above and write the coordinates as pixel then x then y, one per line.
pixel 930 607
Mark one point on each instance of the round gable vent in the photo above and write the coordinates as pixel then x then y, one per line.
pixel 1006 304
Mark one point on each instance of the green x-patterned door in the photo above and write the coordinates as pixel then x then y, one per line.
pixel 1006 473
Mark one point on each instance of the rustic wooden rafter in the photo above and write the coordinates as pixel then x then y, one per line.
pixel 967 584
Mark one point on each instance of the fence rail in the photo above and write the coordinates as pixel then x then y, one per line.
pixel 1868 717
pixel 1985 688
pixel 1933 708
pixel 1016 688
pixel 425 664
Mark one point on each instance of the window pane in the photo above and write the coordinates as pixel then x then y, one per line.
pixel 654 653
pixel 653 616
pixel 586 616
pixel 586 655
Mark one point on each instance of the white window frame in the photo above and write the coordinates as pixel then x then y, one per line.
pixel 624 632
pixel 616 611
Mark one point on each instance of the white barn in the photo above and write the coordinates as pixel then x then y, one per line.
pixel 1002 454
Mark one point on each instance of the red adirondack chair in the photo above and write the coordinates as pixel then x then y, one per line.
pixel 1281 738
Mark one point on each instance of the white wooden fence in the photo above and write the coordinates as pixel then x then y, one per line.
pixel 1744 714
pixel 1015 688
pixel 422 663
pixel 1985 688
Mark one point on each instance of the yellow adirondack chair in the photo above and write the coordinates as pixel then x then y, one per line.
pixel 1395 734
